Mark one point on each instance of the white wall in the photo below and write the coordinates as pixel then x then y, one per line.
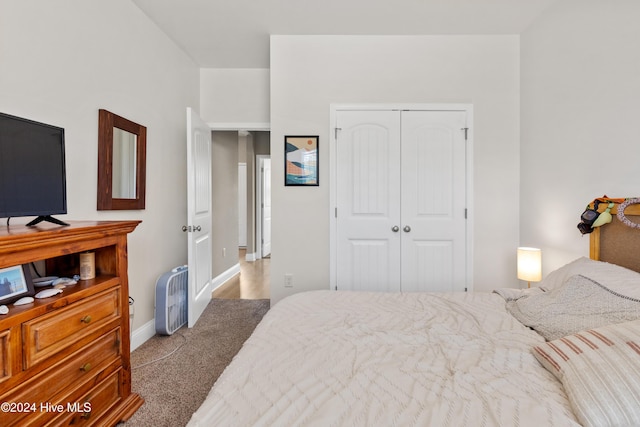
pixel 234 96
pixel 308 73
pixel 580 107
pixel 59 63
pixel 224 201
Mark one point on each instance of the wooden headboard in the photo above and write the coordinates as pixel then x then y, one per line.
pixel 615 242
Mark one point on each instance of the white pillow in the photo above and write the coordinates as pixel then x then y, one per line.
pixel 600 371
pixel 557 277
pixel 613 277
pixel 581 303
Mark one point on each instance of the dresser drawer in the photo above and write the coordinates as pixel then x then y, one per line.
pixel 53 332
pixel 79 367
pixel 92 405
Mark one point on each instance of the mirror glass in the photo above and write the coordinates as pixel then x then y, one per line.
pixel 122 158
pixel 124 164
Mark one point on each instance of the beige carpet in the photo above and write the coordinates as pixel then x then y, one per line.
pixel 175 386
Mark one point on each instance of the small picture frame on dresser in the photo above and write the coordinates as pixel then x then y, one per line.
pixel 15 283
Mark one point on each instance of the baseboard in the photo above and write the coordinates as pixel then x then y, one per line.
pixel 148 330
pixel 250 257
pixel 143 333
pixel 221 279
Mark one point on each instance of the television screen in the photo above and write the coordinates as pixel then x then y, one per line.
pixel 32 169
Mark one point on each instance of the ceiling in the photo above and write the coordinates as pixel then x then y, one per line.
pixel 235 33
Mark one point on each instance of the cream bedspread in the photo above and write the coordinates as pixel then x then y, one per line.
pixel 330 358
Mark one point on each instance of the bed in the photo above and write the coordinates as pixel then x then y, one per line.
pixel 566 353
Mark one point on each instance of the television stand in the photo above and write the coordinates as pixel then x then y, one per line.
pixel 70 353
pixel 47 218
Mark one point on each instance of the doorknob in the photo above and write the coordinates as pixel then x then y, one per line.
pixel 395 228
pixel 407 229
pixel 197 228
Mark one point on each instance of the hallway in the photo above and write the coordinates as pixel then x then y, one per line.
pixel 251 283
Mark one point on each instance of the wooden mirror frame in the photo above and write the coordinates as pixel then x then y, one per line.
pixel 106 122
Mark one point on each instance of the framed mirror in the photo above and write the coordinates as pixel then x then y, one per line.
pixel 122 158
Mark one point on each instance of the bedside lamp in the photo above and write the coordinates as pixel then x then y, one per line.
pixel 529 265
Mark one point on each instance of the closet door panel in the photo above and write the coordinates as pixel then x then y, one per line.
pixel 368 176
pixel 433 201
pixel 433 263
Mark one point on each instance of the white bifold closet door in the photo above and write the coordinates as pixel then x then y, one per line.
pixel 401 181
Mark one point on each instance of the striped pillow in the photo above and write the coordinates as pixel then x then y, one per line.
pixel 600 371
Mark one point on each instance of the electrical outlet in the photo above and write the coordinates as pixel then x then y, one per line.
pixel 288 280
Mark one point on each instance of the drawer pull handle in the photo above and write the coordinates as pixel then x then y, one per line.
pixel 86 367
pixel 86 319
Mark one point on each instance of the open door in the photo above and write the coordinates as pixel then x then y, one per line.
pixel 198 227
pixel 263 205
pixel 266 206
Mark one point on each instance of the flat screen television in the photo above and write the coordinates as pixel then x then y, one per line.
pixel 32 170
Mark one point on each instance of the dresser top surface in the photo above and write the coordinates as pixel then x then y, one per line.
pixel 20 238
pixel 43 230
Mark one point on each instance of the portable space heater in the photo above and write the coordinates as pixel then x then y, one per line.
pixel 171 300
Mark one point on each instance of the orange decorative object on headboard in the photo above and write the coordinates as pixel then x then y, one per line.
pixel 616 242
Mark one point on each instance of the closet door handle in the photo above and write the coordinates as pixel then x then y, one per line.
pixel 395 228
pixel 407 229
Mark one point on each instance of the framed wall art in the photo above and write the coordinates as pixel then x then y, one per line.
pixel 301 160
pixel 15 283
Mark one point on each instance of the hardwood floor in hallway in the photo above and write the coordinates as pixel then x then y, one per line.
pixel 251 283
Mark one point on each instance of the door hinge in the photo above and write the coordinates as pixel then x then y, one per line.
pixel 465 289
pixel 466 131
pixel 465 213
pixel 336 132
pixel 335 213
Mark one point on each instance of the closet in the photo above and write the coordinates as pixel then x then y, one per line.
pixel 401 218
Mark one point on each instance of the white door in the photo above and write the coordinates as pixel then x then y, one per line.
pixel 433 201
pixel 266 205
pixel 400 196
pixel 368 200
pixel 198 215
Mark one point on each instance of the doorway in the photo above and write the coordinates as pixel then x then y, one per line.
pixel 232 152
pixel 254 152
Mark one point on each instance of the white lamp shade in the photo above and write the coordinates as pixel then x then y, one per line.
pixel 530 264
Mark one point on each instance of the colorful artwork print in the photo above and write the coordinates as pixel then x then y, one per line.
pixel 301 160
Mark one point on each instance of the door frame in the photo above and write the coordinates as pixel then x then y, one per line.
pixel 333 181
pixel 242 203
pixel 258 203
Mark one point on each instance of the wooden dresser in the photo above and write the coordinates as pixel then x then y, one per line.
pixel 65 360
